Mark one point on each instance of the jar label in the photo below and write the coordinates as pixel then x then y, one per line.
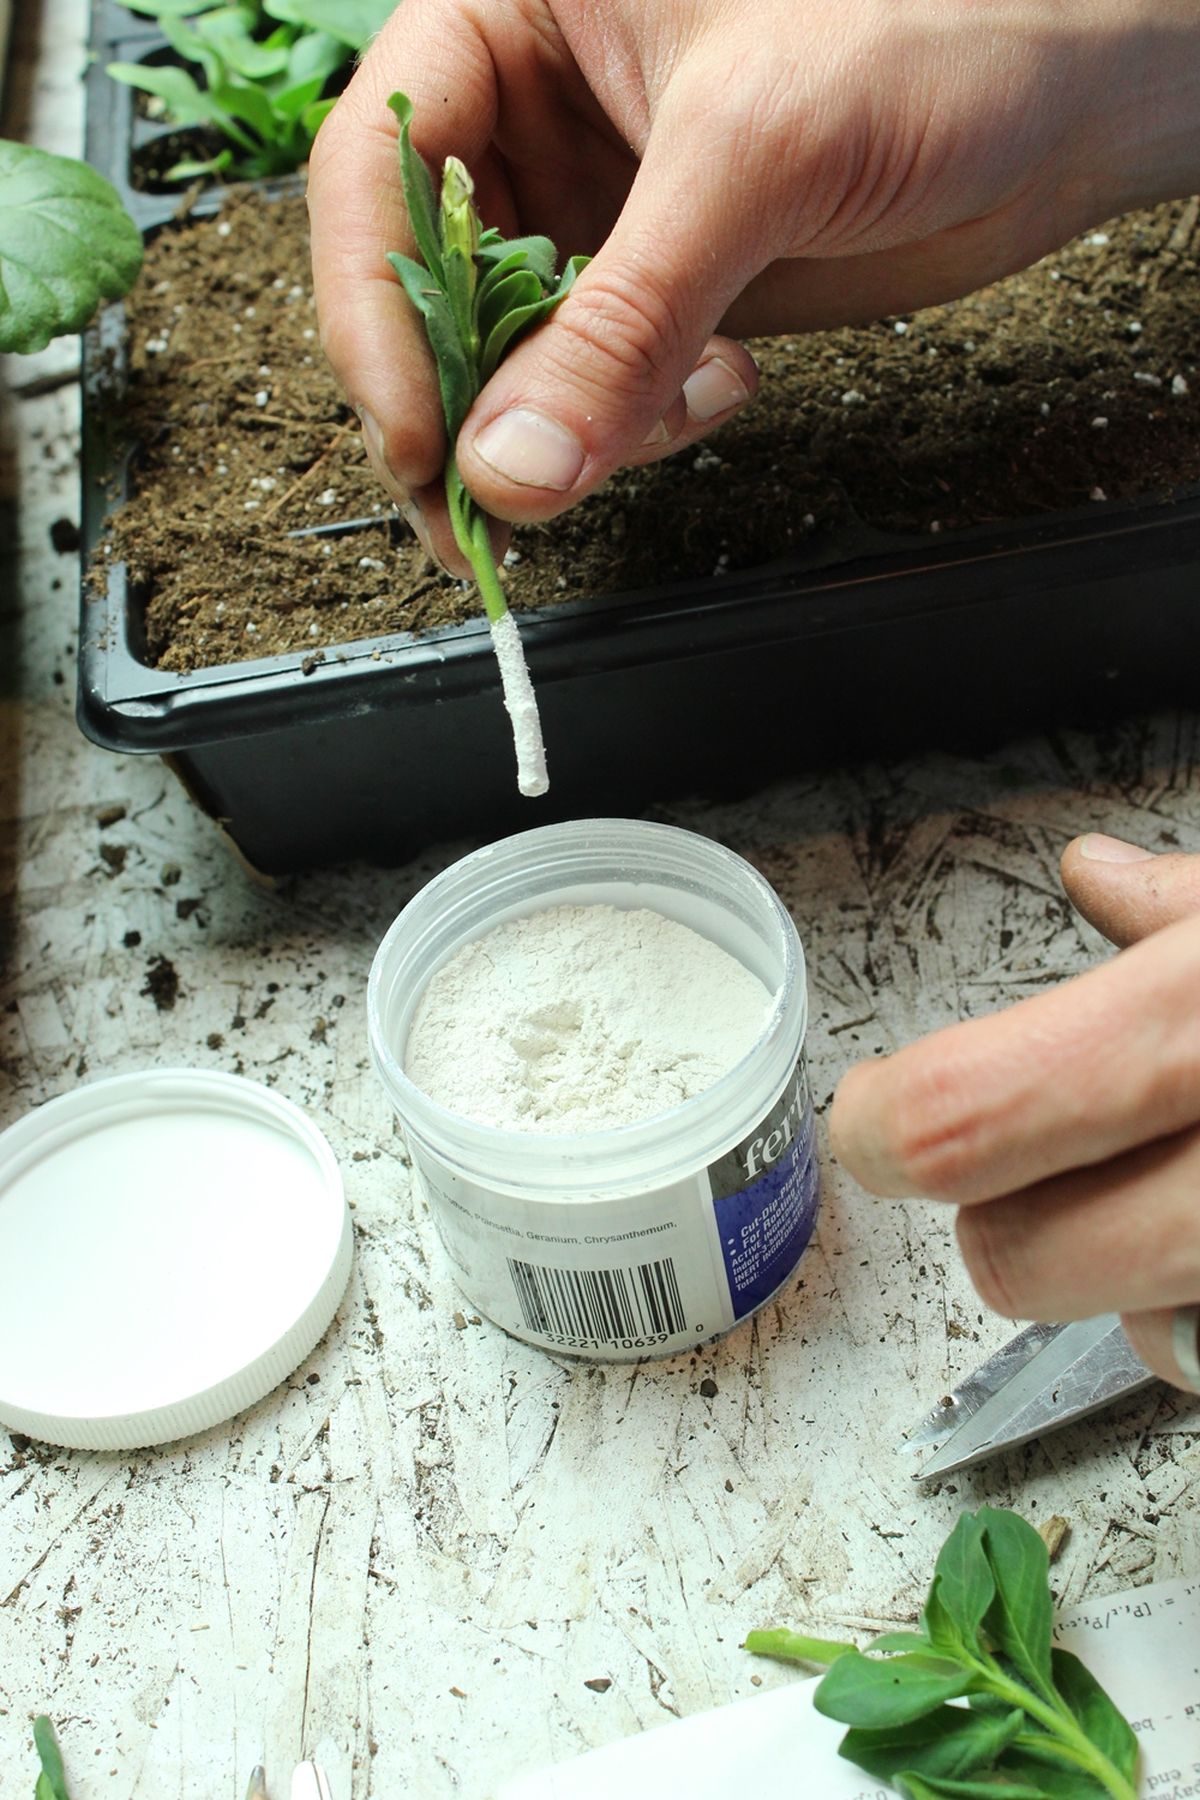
pixel 765 1192
pixel 616 1279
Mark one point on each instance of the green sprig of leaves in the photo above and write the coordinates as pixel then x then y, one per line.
pixel 1036 1724
pixel 477 293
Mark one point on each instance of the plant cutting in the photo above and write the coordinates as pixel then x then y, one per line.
pixel 1036 1724
pixel 66 244
pixel 266 65
pixel 477 294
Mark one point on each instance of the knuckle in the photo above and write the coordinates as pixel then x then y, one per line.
pixel 932 1126
pixel 617 333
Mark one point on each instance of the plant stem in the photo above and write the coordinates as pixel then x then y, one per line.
pixel 1071 1740
pixel 794 1646
pixel 520 701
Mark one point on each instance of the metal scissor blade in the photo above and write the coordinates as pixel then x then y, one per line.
pixel 1076 1369
pixel 966 1399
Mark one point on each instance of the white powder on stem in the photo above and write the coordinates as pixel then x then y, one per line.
pixel 521 703
pixel 582 1018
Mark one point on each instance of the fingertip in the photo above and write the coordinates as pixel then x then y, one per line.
pixel 857 1135
pixel 1168 1341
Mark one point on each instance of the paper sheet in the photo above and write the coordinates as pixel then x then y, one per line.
pixel 1143 1646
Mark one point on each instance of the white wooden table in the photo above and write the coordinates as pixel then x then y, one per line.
pixel 437 1557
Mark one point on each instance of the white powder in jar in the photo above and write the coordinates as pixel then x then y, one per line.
pixel 582 1018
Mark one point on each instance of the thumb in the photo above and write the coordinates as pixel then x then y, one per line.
pixel 1127 892
pixel 626 367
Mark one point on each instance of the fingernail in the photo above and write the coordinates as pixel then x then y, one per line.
pixel 657 434
pixel 373 443
pixel 1095 847
pixel 714 388
pixel 1185 1341
pixel 414 518
pixel 531 450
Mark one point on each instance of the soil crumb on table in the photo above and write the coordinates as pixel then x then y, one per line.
pixel 1075 382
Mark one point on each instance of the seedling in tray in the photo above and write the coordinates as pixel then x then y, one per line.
pixel 477 293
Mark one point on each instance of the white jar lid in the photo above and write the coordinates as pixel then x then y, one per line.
pixel 172 1244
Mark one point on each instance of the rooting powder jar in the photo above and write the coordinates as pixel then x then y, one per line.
pixel 648 1237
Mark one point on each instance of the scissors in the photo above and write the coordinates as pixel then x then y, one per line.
pixel 1044 1377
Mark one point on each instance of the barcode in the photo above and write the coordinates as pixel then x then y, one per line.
pixel 641 1302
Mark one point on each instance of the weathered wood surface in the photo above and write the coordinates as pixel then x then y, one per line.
pixel 413 1559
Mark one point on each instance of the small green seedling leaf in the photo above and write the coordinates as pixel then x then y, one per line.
pixel 52 1782
pixel 66 244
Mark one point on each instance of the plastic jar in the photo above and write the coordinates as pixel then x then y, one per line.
pixel 651 1237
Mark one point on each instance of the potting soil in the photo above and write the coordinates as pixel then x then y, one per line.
pixel 1073 384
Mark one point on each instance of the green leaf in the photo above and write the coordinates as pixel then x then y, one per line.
pixel 242 100
pixel 963 1587
pixel 418 189
pixel 1020 1619
pixel 293 102
pixel 566 281
pixel 314 116
pixel 792 1646
pixel 860 1691
pixel 314 55
pixel 227 31
pixel 190 46
pixel 504 336
pixel 66 244
pixel 189 168
pixel 933 1787
pixel 495 271
pixel 1054 1779
pixel 172 9
pixel 949 1741
pixel 537 253
pixel 455 379
pixel 186 103
pixel 354 22
pixel 519 288
pixel 52 1782
pixel 1105 1726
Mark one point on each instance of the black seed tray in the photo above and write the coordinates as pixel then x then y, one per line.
pixel 875 646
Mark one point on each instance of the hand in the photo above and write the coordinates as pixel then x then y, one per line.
pixel 1067 1129
pixel 751 166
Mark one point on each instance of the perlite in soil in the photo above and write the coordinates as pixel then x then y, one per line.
pixel 593 1035
pixel 477 294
